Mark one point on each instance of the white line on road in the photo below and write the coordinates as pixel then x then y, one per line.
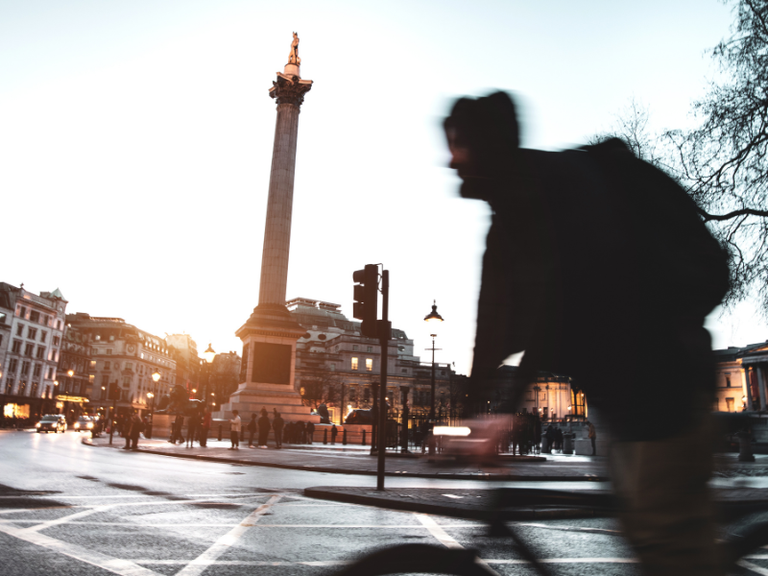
pixel 114 565
pixel 199 564
pixel 442 536
pixel 752 567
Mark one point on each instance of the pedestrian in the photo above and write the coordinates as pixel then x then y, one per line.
pixel 310 431
pixel 127 435
pixel 277 427
pixel 132 427
pixel 193 422
pixel 252 429
pixel 301 432
pixel 205 426
pixel 592 435
pixel 264 426
pixel 177 430
pixel 234 430
pixel 585 244
pixel 334 432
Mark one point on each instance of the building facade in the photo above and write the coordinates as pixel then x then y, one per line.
pixel 125 358
pixel 742 378
pixel 338 367
pixel 184 352
pixel 32 338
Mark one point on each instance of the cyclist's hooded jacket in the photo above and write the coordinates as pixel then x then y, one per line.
pixel 598 265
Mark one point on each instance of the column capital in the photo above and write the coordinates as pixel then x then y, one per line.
pixel 289 89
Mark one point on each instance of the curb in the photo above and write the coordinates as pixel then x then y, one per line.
pixel 455 510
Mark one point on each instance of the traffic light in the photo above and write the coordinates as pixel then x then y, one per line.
pixel 366 299
pixel 114 391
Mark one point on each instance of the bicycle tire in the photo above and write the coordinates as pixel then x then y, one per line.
pixel 417 559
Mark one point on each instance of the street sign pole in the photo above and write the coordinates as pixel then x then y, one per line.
pixel 384 332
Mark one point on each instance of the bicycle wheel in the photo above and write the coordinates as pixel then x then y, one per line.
pixel 417 559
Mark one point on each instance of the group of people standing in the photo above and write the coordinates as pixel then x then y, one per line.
pixel 260 425
pixel 198 425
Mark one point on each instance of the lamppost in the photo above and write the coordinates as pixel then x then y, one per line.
pixel 151 398
pixel 208 357
pixel 155 378
pixel 433 317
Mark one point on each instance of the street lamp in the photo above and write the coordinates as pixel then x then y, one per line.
pixel 208 357
pixel 433 317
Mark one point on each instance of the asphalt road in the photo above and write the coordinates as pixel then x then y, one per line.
pixel 70 509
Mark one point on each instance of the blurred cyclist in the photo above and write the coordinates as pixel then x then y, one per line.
pixel 598 266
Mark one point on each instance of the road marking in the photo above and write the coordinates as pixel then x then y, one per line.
pixel 68 519
pixel 209 557
pixel 752 567
pixel 114 565
pixel 442 536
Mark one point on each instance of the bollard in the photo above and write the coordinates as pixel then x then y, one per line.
pixel 745 446
pixel 568 443
pixel 325 436
pixel 219 432
pixel 363 437
pixel 344 437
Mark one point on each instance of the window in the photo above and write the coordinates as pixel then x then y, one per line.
pixel 354 348
pixel 729 404
pixel 404 370
pixel 369 364
pixel 109 351
pixel 34 316
pixel 106 365
pixel 56 343
pixel 367 395
pixel 50 374
pixel 43 335
pixel 33 392
pixel 41 352
pixel 58 324
pixel 25 368
pixel 370 349
pixel 31 333
pixel 13 363
pixel 129 366
pixel 54 356
pixel 9 386
pixel 22 386
pixel 127 380
pixel 36 370
pixel 728 384
pixel 20 330
pixel 47 320
pixel 16 347
pixel 354 363
pixel 29 349
pixel 333 367
pixel 22 311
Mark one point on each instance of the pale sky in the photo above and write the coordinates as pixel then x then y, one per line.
pixel 136 141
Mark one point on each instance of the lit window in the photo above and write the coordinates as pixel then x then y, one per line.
pixel 354 363
pixel 369 364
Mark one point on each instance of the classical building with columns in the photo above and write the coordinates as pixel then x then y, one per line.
pixel 338 366
pixel 742 377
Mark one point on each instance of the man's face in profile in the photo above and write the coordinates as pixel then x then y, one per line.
pixel 461 156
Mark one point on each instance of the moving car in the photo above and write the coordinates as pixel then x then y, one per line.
pixel 84 424
pixel 52 423
pixel 359 417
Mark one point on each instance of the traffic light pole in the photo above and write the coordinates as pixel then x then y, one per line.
pixel 384 333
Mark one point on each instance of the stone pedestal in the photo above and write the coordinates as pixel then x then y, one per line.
pixel 269 359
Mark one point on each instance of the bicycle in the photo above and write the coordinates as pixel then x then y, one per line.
pixel 428 558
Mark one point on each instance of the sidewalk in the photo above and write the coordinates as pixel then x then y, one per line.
pixel 735 483
pixel 349 459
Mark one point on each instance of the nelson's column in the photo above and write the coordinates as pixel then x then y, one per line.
pixel 270 334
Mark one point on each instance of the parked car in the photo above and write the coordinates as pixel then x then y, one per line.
pixel 84 424
pixel 52 423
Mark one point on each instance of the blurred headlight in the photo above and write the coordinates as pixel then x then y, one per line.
pixel 90 425
pixel 451 431
pixel 77 425
pixel 37 425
